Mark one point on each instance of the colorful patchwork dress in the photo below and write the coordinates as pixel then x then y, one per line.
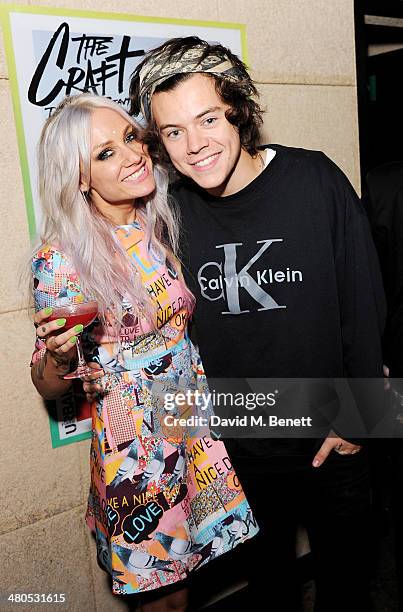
pixel 163 500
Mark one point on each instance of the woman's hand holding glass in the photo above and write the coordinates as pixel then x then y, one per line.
pixel 60 344
pixel 61 349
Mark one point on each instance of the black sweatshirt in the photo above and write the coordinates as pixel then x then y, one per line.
pixel 285 274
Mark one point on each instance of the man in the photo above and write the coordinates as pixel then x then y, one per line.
pixel 278 254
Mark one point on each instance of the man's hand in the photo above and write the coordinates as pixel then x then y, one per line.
pixel 386 383
pixel 338 445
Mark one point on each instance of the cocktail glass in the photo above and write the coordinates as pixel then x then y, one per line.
pixel 83 313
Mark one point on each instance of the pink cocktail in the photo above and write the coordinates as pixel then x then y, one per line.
pixel 83 313
pixel 76 313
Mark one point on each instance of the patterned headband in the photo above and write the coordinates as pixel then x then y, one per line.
pixel 160 68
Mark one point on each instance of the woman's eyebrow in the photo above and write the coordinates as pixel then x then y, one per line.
pixel 128 127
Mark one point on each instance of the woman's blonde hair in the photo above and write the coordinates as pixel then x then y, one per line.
pixel 75 225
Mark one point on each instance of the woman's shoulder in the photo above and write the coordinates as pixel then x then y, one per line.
pixel 53 274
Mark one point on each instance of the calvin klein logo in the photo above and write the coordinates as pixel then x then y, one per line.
pixel 228 282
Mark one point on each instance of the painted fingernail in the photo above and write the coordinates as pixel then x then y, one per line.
pixel 79 328
pixel 48 311
pixel 60 322
pixel 73 339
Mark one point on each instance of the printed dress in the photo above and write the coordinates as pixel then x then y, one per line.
pixel 163 500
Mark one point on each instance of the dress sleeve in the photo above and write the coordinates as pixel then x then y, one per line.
pixel 53 277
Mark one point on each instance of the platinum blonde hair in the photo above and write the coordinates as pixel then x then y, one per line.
pixel 76 226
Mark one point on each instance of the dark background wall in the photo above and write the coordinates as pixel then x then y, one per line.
pixel 379 34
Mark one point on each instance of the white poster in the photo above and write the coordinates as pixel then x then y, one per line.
pixel 54 53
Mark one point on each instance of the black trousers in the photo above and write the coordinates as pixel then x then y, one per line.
pixel 333 503
pixel 387 479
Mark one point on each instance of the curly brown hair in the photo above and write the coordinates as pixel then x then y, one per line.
pixel 244 112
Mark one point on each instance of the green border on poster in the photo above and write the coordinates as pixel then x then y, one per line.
pixel 6 9
pixel 57 440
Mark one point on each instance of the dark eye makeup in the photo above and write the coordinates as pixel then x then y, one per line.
pixel 108 152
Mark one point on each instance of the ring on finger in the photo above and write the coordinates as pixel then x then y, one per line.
pixel 41 329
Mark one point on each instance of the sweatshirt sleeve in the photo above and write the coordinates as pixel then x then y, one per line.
pixel 362 304
pixel 361 297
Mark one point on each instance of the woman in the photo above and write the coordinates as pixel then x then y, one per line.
pixel 162 502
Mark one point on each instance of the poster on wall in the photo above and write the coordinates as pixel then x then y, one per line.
pixel 52 53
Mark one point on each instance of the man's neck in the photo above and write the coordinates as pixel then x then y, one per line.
pixel 244 172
